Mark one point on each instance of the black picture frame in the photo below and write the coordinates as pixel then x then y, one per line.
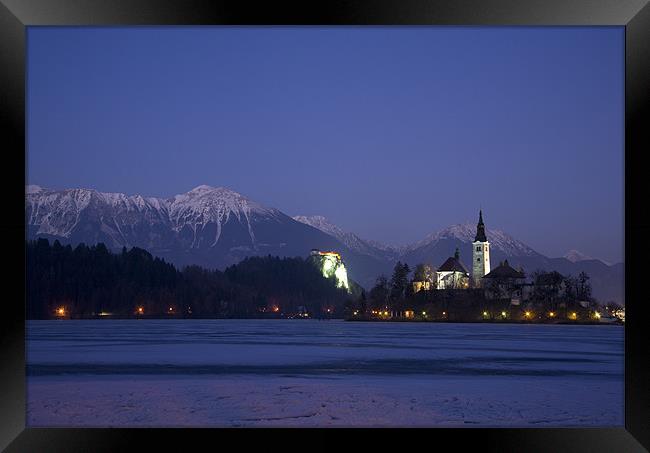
pixel 16 15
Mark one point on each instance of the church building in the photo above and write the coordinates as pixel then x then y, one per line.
pixel 452 274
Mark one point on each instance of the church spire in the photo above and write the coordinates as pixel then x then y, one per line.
pixel 480 229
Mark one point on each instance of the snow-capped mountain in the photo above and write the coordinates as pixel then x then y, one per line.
pixel 466 232
pixel 202 214
pixel 351 240
pixel 575 256
pixel 210 226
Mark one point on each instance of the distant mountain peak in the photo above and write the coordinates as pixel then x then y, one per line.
pixel 576 256
pixel 207 196
pixel 202 187
pixel 465 232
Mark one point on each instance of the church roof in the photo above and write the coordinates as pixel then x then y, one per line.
pixel 452 264
pixel 504 270
pixel 480 229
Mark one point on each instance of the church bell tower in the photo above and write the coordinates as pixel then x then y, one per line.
pixel 480 253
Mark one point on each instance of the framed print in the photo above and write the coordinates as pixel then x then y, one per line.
pixel 363 215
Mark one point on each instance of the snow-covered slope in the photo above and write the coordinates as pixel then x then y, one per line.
pixel 351 240
pixel 209 207
pixel 61 212
pixel 209 226
pixel 576 256
pixel 466 232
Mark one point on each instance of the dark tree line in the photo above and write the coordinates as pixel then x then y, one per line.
pixel 89 280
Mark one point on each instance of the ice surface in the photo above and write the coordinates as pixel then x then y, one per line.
pixel 322 373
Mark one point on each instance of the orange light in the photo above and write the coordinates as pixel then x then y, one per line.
pixel 527 314
pixel 140 310
pixel 276 308
pixel 551 314
pixel 444 313
pixel 60 311
pixel 336 254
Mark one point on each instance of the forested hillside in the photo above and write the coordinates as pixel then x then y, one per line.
pixel 91 281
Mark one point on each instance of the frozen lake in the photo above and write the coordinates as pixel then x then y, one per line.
pixel 322 373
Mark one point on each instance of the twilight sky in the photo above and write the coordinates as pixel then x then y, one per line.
pixel 389 132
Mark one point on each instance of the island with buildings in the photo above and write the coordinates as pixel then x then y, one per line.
pixel 499 294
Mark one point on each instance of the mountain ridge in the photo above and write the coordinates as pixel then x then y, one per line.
pixel 216 227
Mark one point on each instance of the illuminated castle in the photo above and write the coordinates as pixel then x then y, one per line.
pixel 331 265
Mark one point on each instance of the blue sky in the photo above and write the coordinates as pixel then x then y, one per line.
pixel 390 132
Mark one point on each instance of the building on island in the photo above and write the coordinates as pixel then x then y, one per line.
pixel 423 277
pixel 452 274
pixel 504 282
pixel 421 285
pixel 480 253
